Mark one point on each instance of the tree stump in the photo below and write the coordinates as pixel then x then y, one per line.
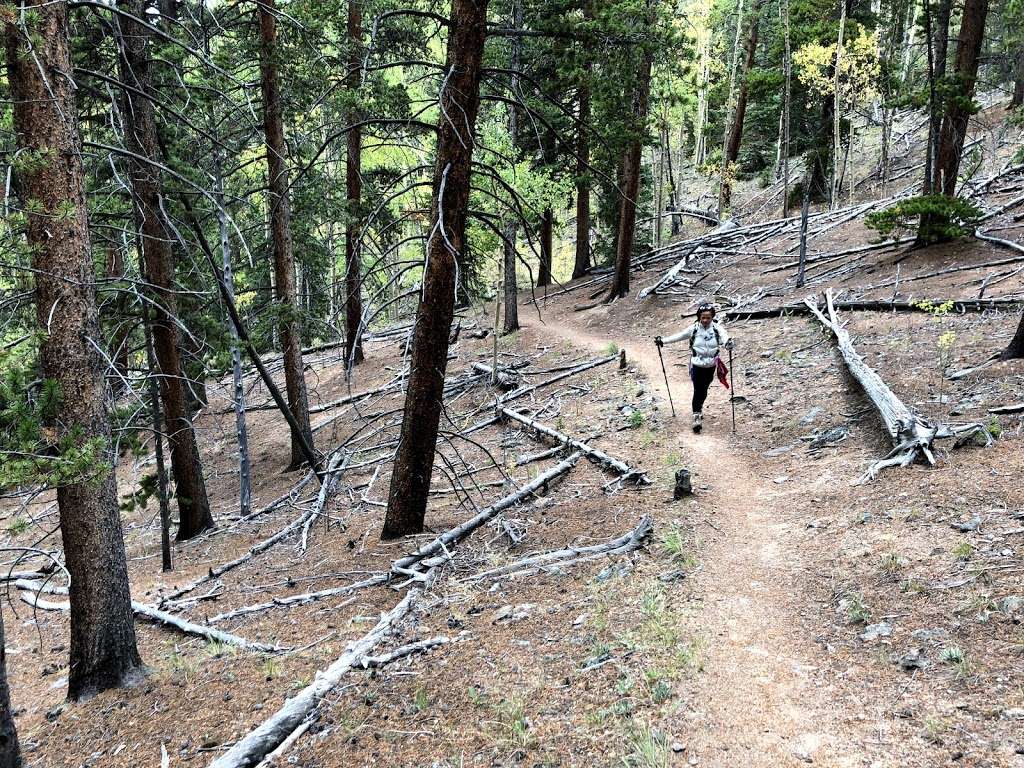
pixel 684 487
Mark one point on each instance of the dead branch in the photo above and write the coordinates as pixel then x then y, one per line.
pixel 594 454
pixel 571 555
pixel 32 589
pixel 258 743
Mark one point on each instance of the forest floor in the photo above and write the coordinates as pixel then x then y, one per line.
pixel 780 616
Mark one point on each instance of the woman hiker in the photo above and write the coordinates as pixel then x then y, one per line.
pixel 706 339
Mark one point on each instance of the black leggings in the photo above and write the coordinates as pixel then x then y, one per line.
pixel 702 378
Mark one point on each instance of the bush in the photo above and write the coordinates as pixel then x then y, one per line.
pixel 930 218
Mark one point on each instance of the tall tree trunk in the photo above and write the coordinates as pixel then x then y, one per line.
pixel 546 234
pixel 1018 79
pixel 103 650
pixel 837 108
pixel 510 285
pixel 582 261
pixel 957 114
pixel 354 187
pixel 937 29
pixel 730 106
pixel 281 232
pixel 156 417
pixel 414 462
pixel 700 129
pixel 158 268
pixel 10 754
pixel 630 182
pixel 787 66
pixel 1016 349
pixel 735 137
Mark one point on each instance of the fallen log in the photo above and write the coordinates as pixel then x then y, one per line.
pixel 34 588
pixel 272 732
pixel 960 306
pixel 594 454
pixel 912 436
pixel 571 555
pixel 1017 408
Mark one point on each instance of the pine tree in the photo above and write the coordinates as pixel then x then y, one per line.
pixel 103 650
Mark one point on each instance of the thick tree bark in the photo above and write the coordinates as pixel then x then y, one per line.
pixel 631 182
pixel 735 136
pixel 414 462
pixel 582 261
pixel 510 284
pixel 354 188
pixel 1018 83
pixel 158 269
pixel 10 754
pixel 103 650
pixel 546 234
pixel 937 29
pixel 1016 348
pixel 281 232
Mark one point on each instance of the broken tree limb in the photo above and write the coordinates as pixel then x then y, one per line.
pixel 404 566
pixel 912 436
pixel 459 532
pixel 594 454
pixel 32 589
pixel 571 555
pixel 258 743
pixel 302 599
pixel 421 646
pixel 264 545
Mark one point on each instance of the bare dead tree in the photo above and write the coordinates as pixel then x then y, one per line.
pixel 459 103
pixel 103 648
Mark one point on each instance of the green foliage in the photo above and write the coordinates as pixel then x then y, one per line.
pixel 34 447
pixel 932 218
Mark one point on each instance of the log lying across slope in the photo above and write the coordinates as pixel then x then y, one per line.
pixel 594 454
pixel 960 306
pixel 912 436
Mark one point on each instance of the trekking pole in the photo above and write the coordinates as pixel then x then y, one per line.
pixel 667 387
pixel 732 398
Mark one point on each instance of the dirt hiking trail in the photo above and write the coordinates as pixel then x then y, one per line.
pixel 757 703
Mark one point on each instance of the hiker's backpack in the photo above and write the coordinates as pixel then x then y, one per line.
pixel 696 327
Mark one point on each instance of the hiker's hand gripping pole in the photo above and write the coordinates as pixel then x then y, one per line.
pixel 659 343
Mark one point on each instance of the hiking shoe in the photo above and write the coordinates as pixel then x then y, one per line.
pixel 698 422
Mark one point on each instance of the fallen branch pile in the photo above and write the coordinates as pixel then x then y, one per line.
pixel 571 555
